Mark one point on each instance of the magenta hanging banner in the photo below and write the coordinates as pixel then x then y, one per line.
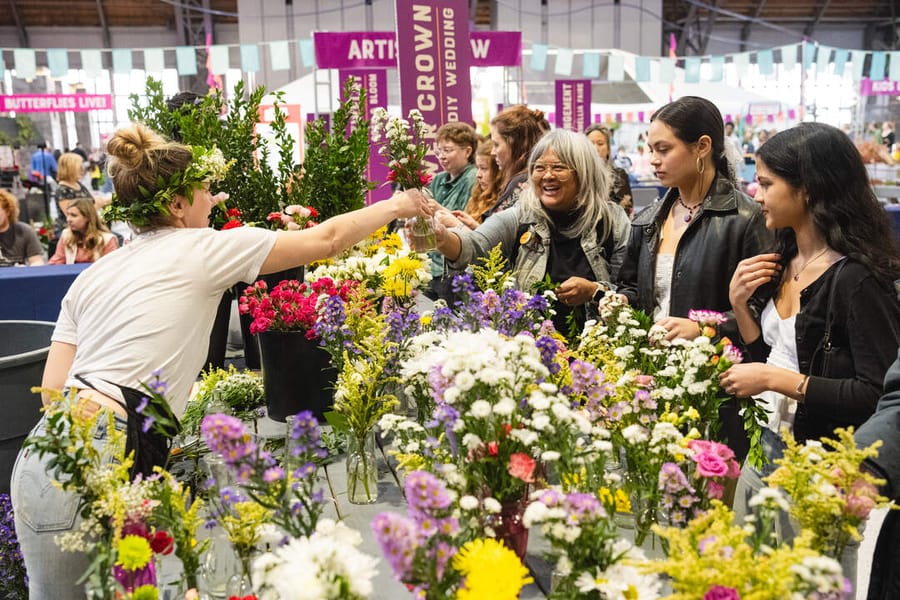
pixel 496 48
pixel 573 104
pixel 378 49
pixel 55 102
pixel 433 60
pixel 881 87
pixel 374 81
pixel 355 49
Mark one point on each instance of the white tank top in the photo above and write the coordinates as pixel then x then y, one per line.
pixel 780 334
pixel 663 285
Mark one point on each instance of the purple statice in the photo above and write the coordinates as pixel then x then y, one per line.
pixel 424 493
pixel 332 328
pixel 397 536
pixel 463 285
pixel 549 350
pixel 13 579
pixel 225 435
pixel 306 437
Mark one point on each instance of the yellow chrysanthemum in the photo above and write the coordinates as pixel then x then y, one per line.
pixel 134 552
pixel 491 570
pixel 145 592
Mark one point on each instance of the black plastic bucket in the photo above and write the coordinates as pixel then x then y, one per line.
pixel 23 352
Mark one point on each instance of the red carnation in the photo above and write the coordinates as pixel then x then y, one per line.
pixel 162 543
pixel 233 212
pixel 232 224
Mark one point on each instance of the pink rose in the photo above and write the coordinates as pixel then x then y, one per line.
pixel 521 466
pixel 714 490
pixel 710 465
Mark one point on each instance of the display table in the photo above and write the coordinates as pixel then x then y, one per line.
pixel 35 293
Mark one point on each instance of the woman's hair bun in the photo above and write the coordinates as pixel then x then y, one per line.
pixel 130 145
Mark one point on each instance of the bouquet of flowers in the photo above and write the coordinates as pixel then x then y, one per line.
pixel 714 558
pixel 423 548
pixel 831 496
pixel 287 492
pixel 404 150
pixel 708 465
pixel 494 416
pixel 591 561
pixel 294 217
pixel 289 306
pixel 405 147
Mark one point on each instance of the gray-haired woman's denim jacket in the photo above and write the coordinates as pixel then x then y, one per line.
pixel 527 241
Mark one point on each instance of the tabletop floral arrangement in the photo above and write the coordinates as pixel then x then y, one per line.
pixel 289 306
pixel 381 265
pixel 426 551
pixel 830 495
pixel 591 560
pixel 714 558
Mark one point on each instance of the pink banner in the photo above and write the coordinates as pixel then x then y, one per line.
pixel 884 87
pixel 375 83
pixel 378 49
pixel 434 73
pixel 573 104
pixel 55 102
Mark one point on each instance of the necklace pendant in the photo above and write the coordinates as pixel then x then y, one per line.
pixel 688 217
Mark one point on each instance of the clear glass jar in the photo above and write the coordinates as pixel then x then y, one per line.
pixel 362 469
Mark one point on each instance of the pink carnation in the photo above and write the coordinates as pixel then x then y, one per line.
pixel 521 466
pixel 720 592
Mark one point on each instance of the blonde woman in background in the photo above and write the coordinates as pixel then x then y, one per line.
pixel 486 189
pixel 86 238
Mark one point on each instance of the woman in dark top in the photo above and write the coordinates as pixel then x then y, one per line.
pixel 684 248
pixel 833 271
pixel 620 190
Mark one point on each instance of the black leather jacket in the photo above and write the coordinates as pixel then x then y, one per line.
pixel 728 228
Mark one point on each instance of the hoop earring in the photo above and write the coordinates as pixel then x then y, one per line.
pixel 701 166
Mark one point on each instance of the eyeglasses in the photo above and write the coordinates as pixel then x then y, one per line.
pixel 559 170
pixel 445 150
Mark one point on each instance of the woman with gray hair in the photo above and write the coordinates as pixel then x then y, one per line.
pixel 562 227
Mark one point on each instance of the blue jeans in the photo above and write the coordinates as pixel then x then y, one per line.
pixel 42 512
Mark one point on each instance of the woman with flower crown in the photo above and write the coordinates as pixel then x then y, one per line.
pixel 150 307
pixel 562 228
pixel 819 316
pixel 684 248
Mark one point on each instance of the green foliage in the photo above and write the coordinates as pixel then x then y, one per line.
pixel 491 272
pixel 241 392
pixel 334 167
pixel 253 187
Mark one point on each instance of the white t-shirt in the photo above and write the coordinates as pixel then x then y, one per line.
pixel 151 305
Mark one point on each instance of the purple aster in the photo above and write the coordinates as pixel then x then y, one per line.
pixel 582 507
pixel 396 535
pixel 273 474
pixel 672 479
pixel 425 493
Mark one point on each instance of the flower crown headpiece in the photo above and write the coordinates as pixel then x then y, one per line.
pixel 206 166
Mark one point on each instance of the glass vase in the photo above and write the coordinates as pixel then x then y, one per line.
pixel 509 526
pixel 422 232
pixel 240 583
pixel 362 470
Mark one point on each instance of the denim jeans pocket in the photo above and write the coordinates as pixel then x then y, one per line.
pixel 40 504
